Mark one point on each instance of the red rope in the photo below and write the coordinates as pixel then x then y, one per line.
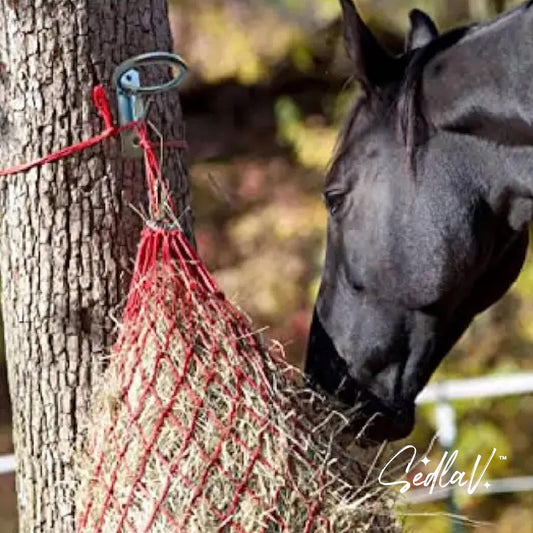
pixel 158 188
pixel 102 105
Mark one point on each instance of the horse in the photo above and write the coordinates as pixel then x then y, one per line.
pixel 429 198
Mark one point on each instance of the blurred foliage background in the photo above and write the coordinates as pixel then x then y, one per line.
pixel 269 87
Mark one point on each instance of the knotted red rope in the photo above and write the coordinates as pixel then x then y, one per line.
pixel 158 188
pixel 102 105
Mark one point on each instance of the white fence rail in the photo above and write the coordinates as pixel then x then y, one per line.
pixel 7 464
pixel 497 486
pixel 486 387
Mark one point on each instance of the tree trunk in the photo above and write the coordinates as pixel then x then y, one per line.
pixel 67 234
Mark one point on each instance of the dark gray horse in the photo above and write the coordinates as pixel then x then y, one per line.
pixel 429 199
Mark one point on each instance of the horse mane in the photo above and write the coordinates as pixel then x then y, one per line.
pixel 413 125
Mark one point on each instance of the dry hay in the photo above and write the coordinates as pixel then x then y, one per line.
pixel 192 430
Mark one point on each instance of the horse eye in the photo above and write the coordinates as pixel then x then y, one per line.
pixel 334 200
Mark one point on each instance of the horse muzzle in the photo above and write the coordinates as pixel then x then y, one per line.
pixel 371 419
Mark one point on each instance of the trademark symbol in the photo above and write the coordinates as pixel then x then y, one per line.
pixel 503 457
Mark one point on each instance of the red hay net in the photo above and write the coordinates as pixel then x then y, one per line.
pixel 195 426
pixel 176 293
pixel 178 320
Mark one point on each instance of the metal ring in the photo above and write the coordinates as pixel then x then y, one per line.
pixel 150 58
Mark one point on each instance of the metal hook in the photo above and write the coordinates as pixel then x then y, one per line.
pixel 130 92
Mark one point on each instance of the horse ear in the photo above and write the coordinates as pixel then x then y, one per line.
pixel 374 66
pixel 423 30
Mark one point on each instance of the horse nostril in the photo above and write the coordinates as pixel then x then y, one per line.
pixel 374 422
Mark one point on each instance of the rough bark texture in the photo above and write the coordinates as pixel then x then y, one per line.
pixel 68 234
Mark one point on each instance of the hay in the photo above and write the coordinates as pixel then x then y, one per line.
pixel 197 428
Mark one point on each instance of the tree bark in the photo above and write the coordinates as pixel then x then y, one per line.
pixel 67 233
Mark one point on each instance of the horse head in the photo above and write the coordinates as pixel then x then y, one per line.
pixel 429 197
